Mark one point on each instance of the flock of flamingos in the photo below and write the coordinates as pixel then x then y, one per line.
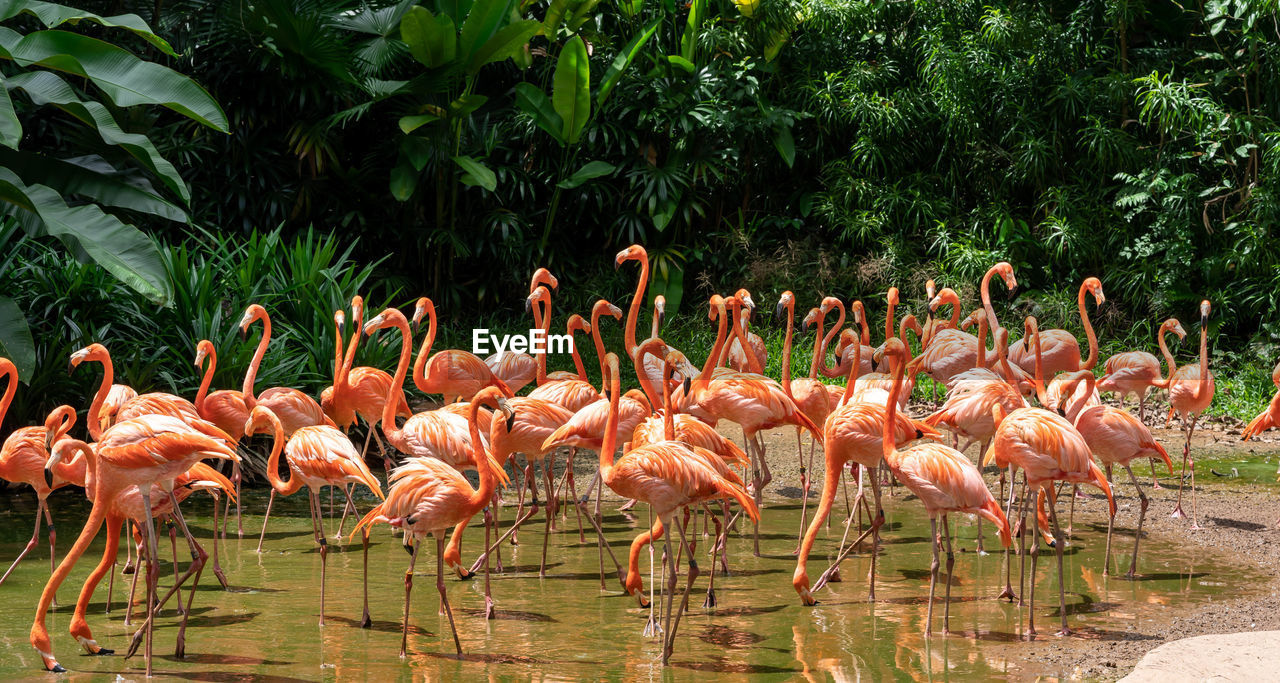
pixel 148 451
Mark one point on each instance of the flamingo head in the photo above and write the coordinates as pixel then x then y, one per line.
pixel 788 300
pixel 1204 311
pixel 424 306
pixel 892 296
pixel 603 307
pixel 252 313
pixel 1005 270
pixel 540 296
pixel 203 350
pixel 1174 326
pixel 634 252
pixel 930 289
pixel 1094 286
pixel 744 296
pixel 973 319
pixel 660 308
pixel 95 351
pixel 812 318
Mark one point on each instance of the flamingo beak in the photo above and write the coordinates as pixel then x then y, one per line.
pixel 804 327
pixel 71 367
pixel 511 419
pixel 48 477
pixel 688 384
pixel 777 313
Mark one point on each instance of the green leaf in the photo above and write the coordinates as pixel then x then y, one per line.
pixel 631 8
pixel 465 105
pixel 482 23
pixel 663 213
pixel 15 338
pixel 592 170
pixel 536 104
pixel 44 87
pixel 52 15
pixel 127 80
pixel 432 40
pixel 10 126
pixel 570 90
pixel 91 177
pixel 408 124
pixel 417 150
pixel 681 62
pixel 122 249
pixel 504 44
pixel 785 144
pixel 404 179
pixel 689 41
pixel 480 175
pixel 555 16
pixel 578 16
pixel 620 63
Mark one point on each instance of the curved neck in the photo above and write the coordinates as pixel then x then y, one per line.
pixel 1164 351
pixel 982 342
pixel 709 367
pixel 986 299
pixel 1092 360
pixel 653 326
pixel 888 321
pixel 786 350
pixel 865 328
pixel 599 343
pixel 281 486
pixel 389 428
pixel 902 335
pixel 839 369
pixel 852 377
pixel 338 360
pixel 424 352
pixel 610 440
pixel 649 347
pixel 633 313
pixel 1204 358
pixel 891 409
pixel 577 359
pixel 207 380
pixel 488 480
pixel 819 346
pixel 1038 380
pixel 1079 403
pixel 95 409
pixel 955 313
pixel 251 375
pixel 668 415
pixel 9 370
pixel 541 356
pixel 740 332
pixel 350 360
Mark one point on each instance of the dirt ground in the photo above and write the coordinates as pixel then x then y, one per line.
pixel 1237 520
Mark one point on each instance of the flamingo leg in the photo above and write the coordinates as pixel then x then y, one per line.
pixel 1142 514
pixel 153 559
pixel 1186 454
pixel 804 489
pixel 1062 590
pixel 365 620
pixel 348 507
pixel 933 575
pixel 876 523
pixel 684 599
pixel 1007 592
pixel 1194 514
pixel 217 568
pixel 489 611
pixel 547 463
pixel 271 500
pixel 35 538
pixel 710 601
pixel 951 563
pixel 573 495
pixel 1106 556
pixel 669 564
pixel 317 521
pixel 53 538
pixel 173 545
pixel 1035 555
pixel 533 510
pixel 408 589
pixel 133 584
pixel 444 596
pixel 198 559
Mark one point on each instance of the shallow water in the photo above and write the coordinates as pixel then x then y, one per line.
pixel 565 627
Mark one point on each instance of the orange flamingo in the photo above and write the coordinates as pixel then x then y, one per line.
pixel 950 351
pixel 23 458
pixel 967 410
pixel 1268 418
pixel 453 373
pixel 1061 352
pixel 943 479
pixel 852 434
pixel 634 252
pixel 1005 271
pixel 1047 448
pixel 153 403
pixel 1132 372
pixel 128 505
pixel 139 452
pixel 812 397
pixel 119 395
pixel 668 476
pixel 1116 438
pixel 570 392
pixel 428 496
pixel 933 324
pixel 848 340
pixel 517 370
pixel 318 456
pixel 1191 391
pixel 359 391
pixel 294 409
pixel 758 357
pixel 225 408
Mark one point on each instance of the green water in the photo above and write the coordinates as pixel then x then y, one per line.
pixel 565 627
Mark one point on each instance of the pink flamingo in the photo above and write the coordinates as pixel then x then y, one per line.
pixel 453 373
pixel 517 370
pixel 1132 372
pixel 294 408
pixel 1061 351
pixel 1191 391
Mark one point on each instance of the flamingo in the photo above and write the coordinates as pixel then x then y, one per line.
pixel 967 410
pixel 23 458
pixel 848 339
pixel 1191 391
pixel 453 373
pixel 517 369
pixel 225 408
pixel 359 391
pixel 933 324
pixel 1268 418
pixel 139 452
pixel 752 401
pixel 318 456
pixel 117 396
pixel 575 324
pixel 1116 438
pixel 427 496
pixel 128 505
pixel 1005 271
pixel 668 476
pixel 852 433
pixel 943 479
pixel 1061 352
pixel 1047 448
pixel 1132 372
pixel 950 352
pixel 812 397
pixel 294 409
pixel 142 404
pixel 758 357
pixel 572 392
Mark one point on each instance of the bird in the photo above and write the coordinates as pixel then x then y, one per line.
pixel 117 396
pixel 1061 352
pixel 427 496
pixel 1116 438
pixel 23 458
pixel 634 252
pixel 950 352
pixel 517 369
pixel 758 356
pixel 851 343
pixel 142 451
pixel 359 391
pixel 943 479
pixel 1047 448
pixel 152 403
pixel 225 408
pixel 293 408
pixel 572 392
pixel 1191 389
pixel 667 476
pixel 1268 418
pixel 1005 271
pixel 1132 372
pixel 317 456
pixel 967 410
pixel 934 324
pixel 452 373
pixel 574 325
